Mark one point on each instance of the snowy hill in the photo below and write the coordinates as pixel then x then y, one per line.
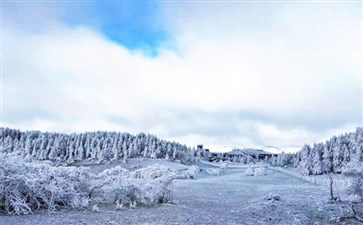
pixel 272 149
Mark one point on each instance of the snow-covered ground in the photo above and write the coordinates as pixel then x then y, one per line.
pixel 231 198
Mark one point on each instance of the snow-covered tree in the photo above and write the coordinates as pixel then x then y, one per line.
pixel 98 146
pixel 334 156
pixel 317 159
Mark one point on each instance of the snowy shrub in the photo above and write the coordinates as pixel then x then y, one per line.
pixel 214 172
pixel 95 208
pixel 185 157
pixel 272 197
pixel 223 166
pixel 153 172
pixel 112 174
pixel 145 192
pixel 189 173
pixel 355 187
pixel 260 171
pixel 249 171
pixel 194 169
pixel 146 186
pixel 28 187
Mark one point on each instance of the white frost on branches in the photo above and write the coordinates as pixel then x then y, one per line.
pixel 26 187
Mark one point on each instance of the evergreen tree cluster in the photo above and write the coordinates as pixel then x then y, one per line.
pixel 339 154
pixel 100 146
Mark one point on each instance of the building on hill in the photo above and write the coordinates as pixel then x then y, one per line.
pixel 254 153
pixel 241 155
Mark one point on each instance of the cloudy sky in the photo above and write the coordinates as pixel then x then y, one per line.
pixel 221 74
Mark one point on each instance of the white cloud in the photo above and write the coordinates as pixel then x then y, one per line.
pixel 296 63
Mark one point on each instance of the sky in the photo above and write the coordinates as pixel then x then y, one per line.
pixel 222 74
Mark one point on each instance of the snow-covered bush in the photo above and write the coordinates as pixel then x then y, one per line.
pixel 185 157
pixel 272 197
pixel 95 208
pixel 28 187
pixel 189 173
pixel 223 166
pixel 355 187
pixel 113 173
pixel 260 171
pixel 146 186
pixel 154 171
pixel 249 171
pixel 194 169
pixel 145 192
pixel 213 172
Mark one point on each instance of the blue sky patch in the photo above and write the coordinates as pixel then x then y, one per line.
pixel 135 25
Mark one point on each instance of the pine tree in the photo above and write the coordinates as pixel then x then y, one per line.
pixel 317 162
pixel 90 145
pixel 306 163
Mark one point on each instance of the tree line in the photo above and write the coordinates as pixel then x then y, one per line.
pixel 100 146
pixel 339 154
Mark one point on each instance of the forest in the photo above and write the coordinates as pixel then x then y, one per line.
pixel 339 154
pixel 98 146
